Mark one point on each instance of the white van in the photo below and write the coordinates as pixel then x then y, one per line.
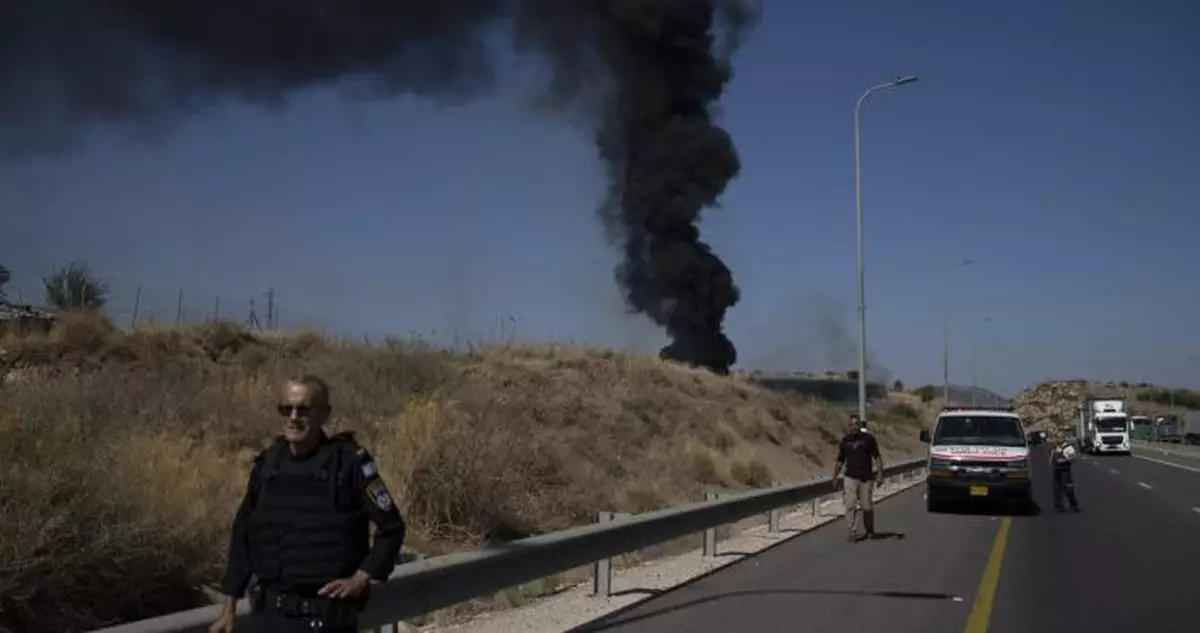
pixel 978 454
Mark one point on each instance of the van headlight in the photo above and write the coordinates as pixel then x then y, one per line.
pixel 1018 469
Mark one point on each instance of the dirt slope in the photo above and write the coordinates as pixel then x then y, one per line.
pixel 124 455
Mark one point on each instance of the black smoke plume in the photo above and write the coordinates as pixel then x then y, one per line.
pixel 646 72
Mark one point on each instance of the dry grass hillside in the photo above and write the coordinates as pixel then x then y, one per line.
pixel 125 454
pixel 1055 403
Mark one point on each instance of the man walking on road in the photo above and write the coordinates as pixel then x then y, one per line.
pixel 859 455
pixel 1062 455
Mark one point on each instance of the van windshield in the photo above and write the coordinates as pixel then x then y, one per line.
pixel 979 430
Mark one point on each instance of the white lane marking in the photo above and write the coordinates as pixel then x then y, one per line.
pixel 1145 485
pixel 1196 510
pixel 1114 471
pixel 1167 463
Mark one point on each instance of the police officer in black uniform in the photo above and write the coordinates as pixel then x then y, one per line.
pixel 303 525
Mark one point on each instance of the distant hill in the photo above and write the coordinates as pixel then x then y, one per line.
pixel 961 395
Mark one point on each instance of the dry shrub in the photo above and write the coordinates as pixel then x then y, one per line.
pixel 750 472
pixel 124 455
pixel 905 411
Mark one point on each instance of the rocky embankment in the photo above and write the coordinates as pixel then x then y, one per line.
pixel 1056 403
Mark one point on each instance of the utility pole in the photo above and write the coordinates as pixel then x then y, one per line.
pixel 217 310
pixel 271 308
pixel 946 331
pixel 179 309
pixel 945 359
pixel 137 304
pixel 252 318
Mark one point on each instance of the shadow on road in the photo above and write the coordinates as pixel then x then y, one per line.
pixel 617 620
pixel 886 536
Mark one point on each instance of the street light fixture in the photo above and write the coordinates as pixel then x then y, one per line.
pixel 862 307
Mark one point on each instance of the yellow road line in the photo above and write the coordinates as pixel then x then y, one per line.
pixel 985 596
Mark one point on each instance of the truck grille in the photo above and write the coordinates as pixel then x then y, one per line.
pixel 1111 440
pixel 989 466
pixel 979 471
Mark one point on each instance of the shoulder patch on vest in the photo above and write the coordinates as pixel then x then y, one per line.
pixel 366 463
pixel 378 493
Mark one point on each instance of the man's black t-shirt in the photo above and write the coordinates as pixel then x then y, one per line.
pixel 856 450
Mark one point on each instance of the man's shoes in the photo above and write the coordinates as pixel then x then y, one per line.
pixel 1075 509
pixel 851 537
pixel 870 535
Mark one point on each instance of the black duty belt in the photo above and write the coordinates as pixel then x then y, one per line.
pixel 331 611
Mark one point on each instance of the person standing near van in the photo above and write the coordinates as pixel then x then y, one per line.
pixel 1062 456
pixel 860 466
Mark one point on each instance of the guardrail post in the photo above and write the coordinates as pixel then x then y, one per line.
pixel 773 521
pixel 602 569
pixel 773 515
pixel 710 535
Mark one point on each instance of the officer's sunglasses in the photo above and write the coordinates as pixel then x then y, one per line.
pixel 301 410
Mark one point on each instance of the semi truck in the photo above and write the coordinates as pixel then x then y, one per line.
pixel 1104 425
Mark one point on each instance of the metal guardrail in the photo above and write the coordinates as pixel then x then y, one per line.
pixel 424 586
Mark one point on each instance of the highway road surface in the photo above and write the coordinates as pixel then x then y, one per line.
pixel 1129 562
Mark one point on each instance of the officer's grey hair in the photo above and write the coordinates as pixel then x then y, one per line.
pixel 318 386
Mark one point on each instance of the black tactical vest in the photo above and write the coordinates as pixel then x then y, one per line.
pixel 308 526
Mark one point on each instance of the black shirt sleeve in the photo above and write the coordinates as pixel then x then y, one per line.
pixel 237 571
pixel 381 507
pixel 841 455
pixel 874 447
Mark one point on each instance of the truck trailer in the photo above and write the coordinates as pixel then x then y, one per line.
pixel 1104 425
pixel 1189 433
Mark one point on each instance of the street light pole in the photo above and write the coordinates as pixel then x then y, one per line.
pixel 858 217
pixel 975 364
pixel 946 336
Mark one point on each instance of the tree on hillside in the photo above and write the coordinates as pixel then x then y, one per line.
pixel 74 288
pixel 927 392
pixel 5 276
pixel 898 385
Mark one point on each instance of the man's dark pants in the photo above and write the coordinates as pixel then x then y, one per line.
pixel 272 621
pixel 284 612
pixel 1064 484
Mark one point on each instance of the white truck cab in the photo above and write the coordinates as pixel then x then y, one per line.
pixel 1105 425
pixel 978 454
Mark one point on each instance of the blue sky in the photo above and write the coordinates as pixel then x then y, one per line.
pixel 1057 146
